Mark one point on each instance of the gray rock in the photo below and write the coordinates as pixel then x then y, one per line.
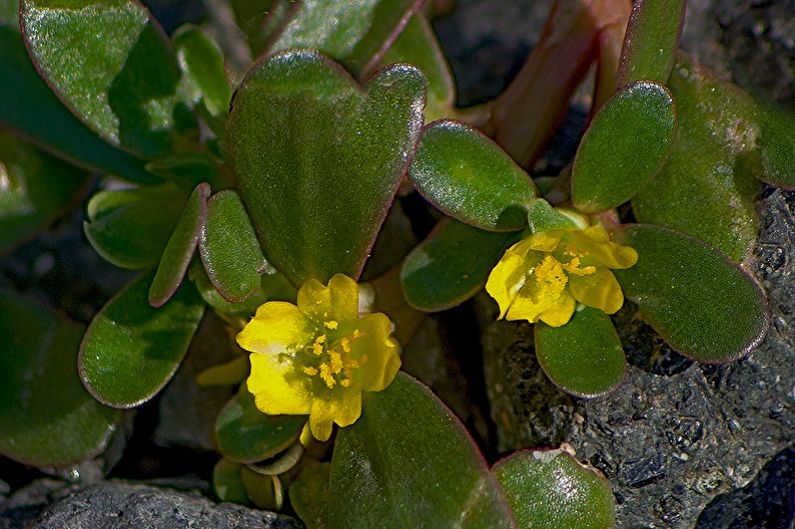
pixel 23 507
pixel 119 505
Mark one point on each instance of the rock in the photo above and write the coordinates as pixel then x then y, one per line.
pixel 120 505
pixel 22 508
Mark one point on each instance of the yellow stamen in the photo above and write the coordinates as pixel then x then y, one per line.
pixel 311 371
pixel 356 333
pixel 345 383
pixel 335 361
pixel 325 374
pixel 573 267
pixel 346 345
pixel 550 271
pixel 331 324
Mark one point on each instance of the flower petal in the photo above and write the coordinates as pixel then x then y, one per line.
pixel 277 326
pixel 594 242
pixel 561 312
pixel 383 360
pixel 274 386
pixel 337 301
pixel 544 241
pixel 509 276
pixel 599 290
pixel 343 408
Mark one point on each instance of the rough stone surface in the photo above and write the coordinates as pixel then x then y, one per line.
pixel 119 505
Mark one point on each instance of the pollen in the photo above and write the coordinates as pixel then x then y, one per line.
pixel 551 272
pixel 573 267
pixel 331 324
pixel 311 371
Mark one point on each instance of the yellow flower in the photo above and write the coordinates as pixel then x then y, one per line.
pixel 317 358
pixel 543 276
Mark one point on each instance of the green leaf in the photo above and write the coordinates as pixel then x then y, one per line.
pixel 35 188
pixel 651 41
pixel 227 482
pixel 32 110
pixel 356 34
pixel 551 490
pixel 417 45
pixel 406 459
pixel 625 146
pixel 110 63
pixel 704 306
pixel 707 187
pixel 202 65
pixel 247 435
pixel 541 216
pixel 207 290
pixel 319 160
pixel 309 494
pixel 261 20
pixel 131 349
pixel 776 143
pixel 451 264
pixel 189 169
pixel 230 250
pixel 179 250
pixel 130 228
pixel 46 417
pixel 583 357
pixel 466 175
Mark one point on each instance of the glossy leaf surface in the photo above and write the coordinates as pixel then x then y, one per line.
pixel 210 295
pixel 229 248
pixel 356 34
pixel 35 188
pixel 551 490
pixel 406 459
pixel 776 144
pixel 46 417
pixel 109 62
pixel 227 482
pixel 131 349
pixel 451 264
pixel 319 160
pixel 625 146
pixel 179 250
pixel 31 109
pixel 466 175
pixel 651 41
pixel 584 356
pixel 202 65
pixel 189 169
pixel 130 228
pixel 247 435
pixel 704 306
pixel 707 187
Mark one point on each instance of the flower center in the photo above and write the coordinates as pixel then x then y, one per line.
pixel 549 273
pixel 332 361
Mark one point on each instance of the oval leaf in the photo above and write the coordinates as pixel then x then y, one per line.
pixel 776 144
pixel 189 169
pixel 34 189
pixel 466 175
pixel 408 458
pixel 651 41
pixel 179 250
pixel 46 417
pixel 111 64
pixel 202 65
pixel 229 248
pixel 247 435
pixel 625 146
pixel 583 357
pixel 227 482
pixel 130 228
pixel 318 192
pixel 551 490
pixel 131 350
pixel 702 305
pixel 707 187
pixel 451 264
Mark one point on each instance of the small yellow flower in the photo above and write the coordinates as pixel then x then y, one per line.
pixel 316 358
pixel 543 276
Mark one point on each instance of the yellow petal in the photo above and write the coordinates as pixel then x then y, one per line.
pixel 344 408
pixel 545 241
pixel 276 327
pixel 382 352
pixel 597 248
pixel 276 386
pixel 336 302
pixel 561 312
pixel 510 275
pixel 599 290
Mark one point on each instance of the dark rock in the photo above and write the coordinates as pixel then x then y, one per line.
pixel 22 508
pixel 119 505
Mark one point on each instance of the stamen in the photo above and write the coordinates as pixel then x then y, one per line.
pixel 331 324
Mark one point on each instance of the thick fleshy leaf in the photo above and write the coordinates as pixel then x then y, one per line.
pixel 541 216
pixel 46 417
pixel 131 349
pixel 417 45
pixel 406 459
pixel 247 435
pixel 202 65
pixel 34 188
pixel 32 110
pixel 272 288
pixel 626 145
pixel 130 228
pixel 230 250
pixel 707 187
pixel 227 482
pixel 319 160
pixel 189 169
pixel 466 175
pixel 704 306
pixel 776 145
pixel 179 250
pixel 112 65
pixel 451 264
pixel 583 357
pixel 651 41
pixel 357 34
pixel 551 490
pixel 260 20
